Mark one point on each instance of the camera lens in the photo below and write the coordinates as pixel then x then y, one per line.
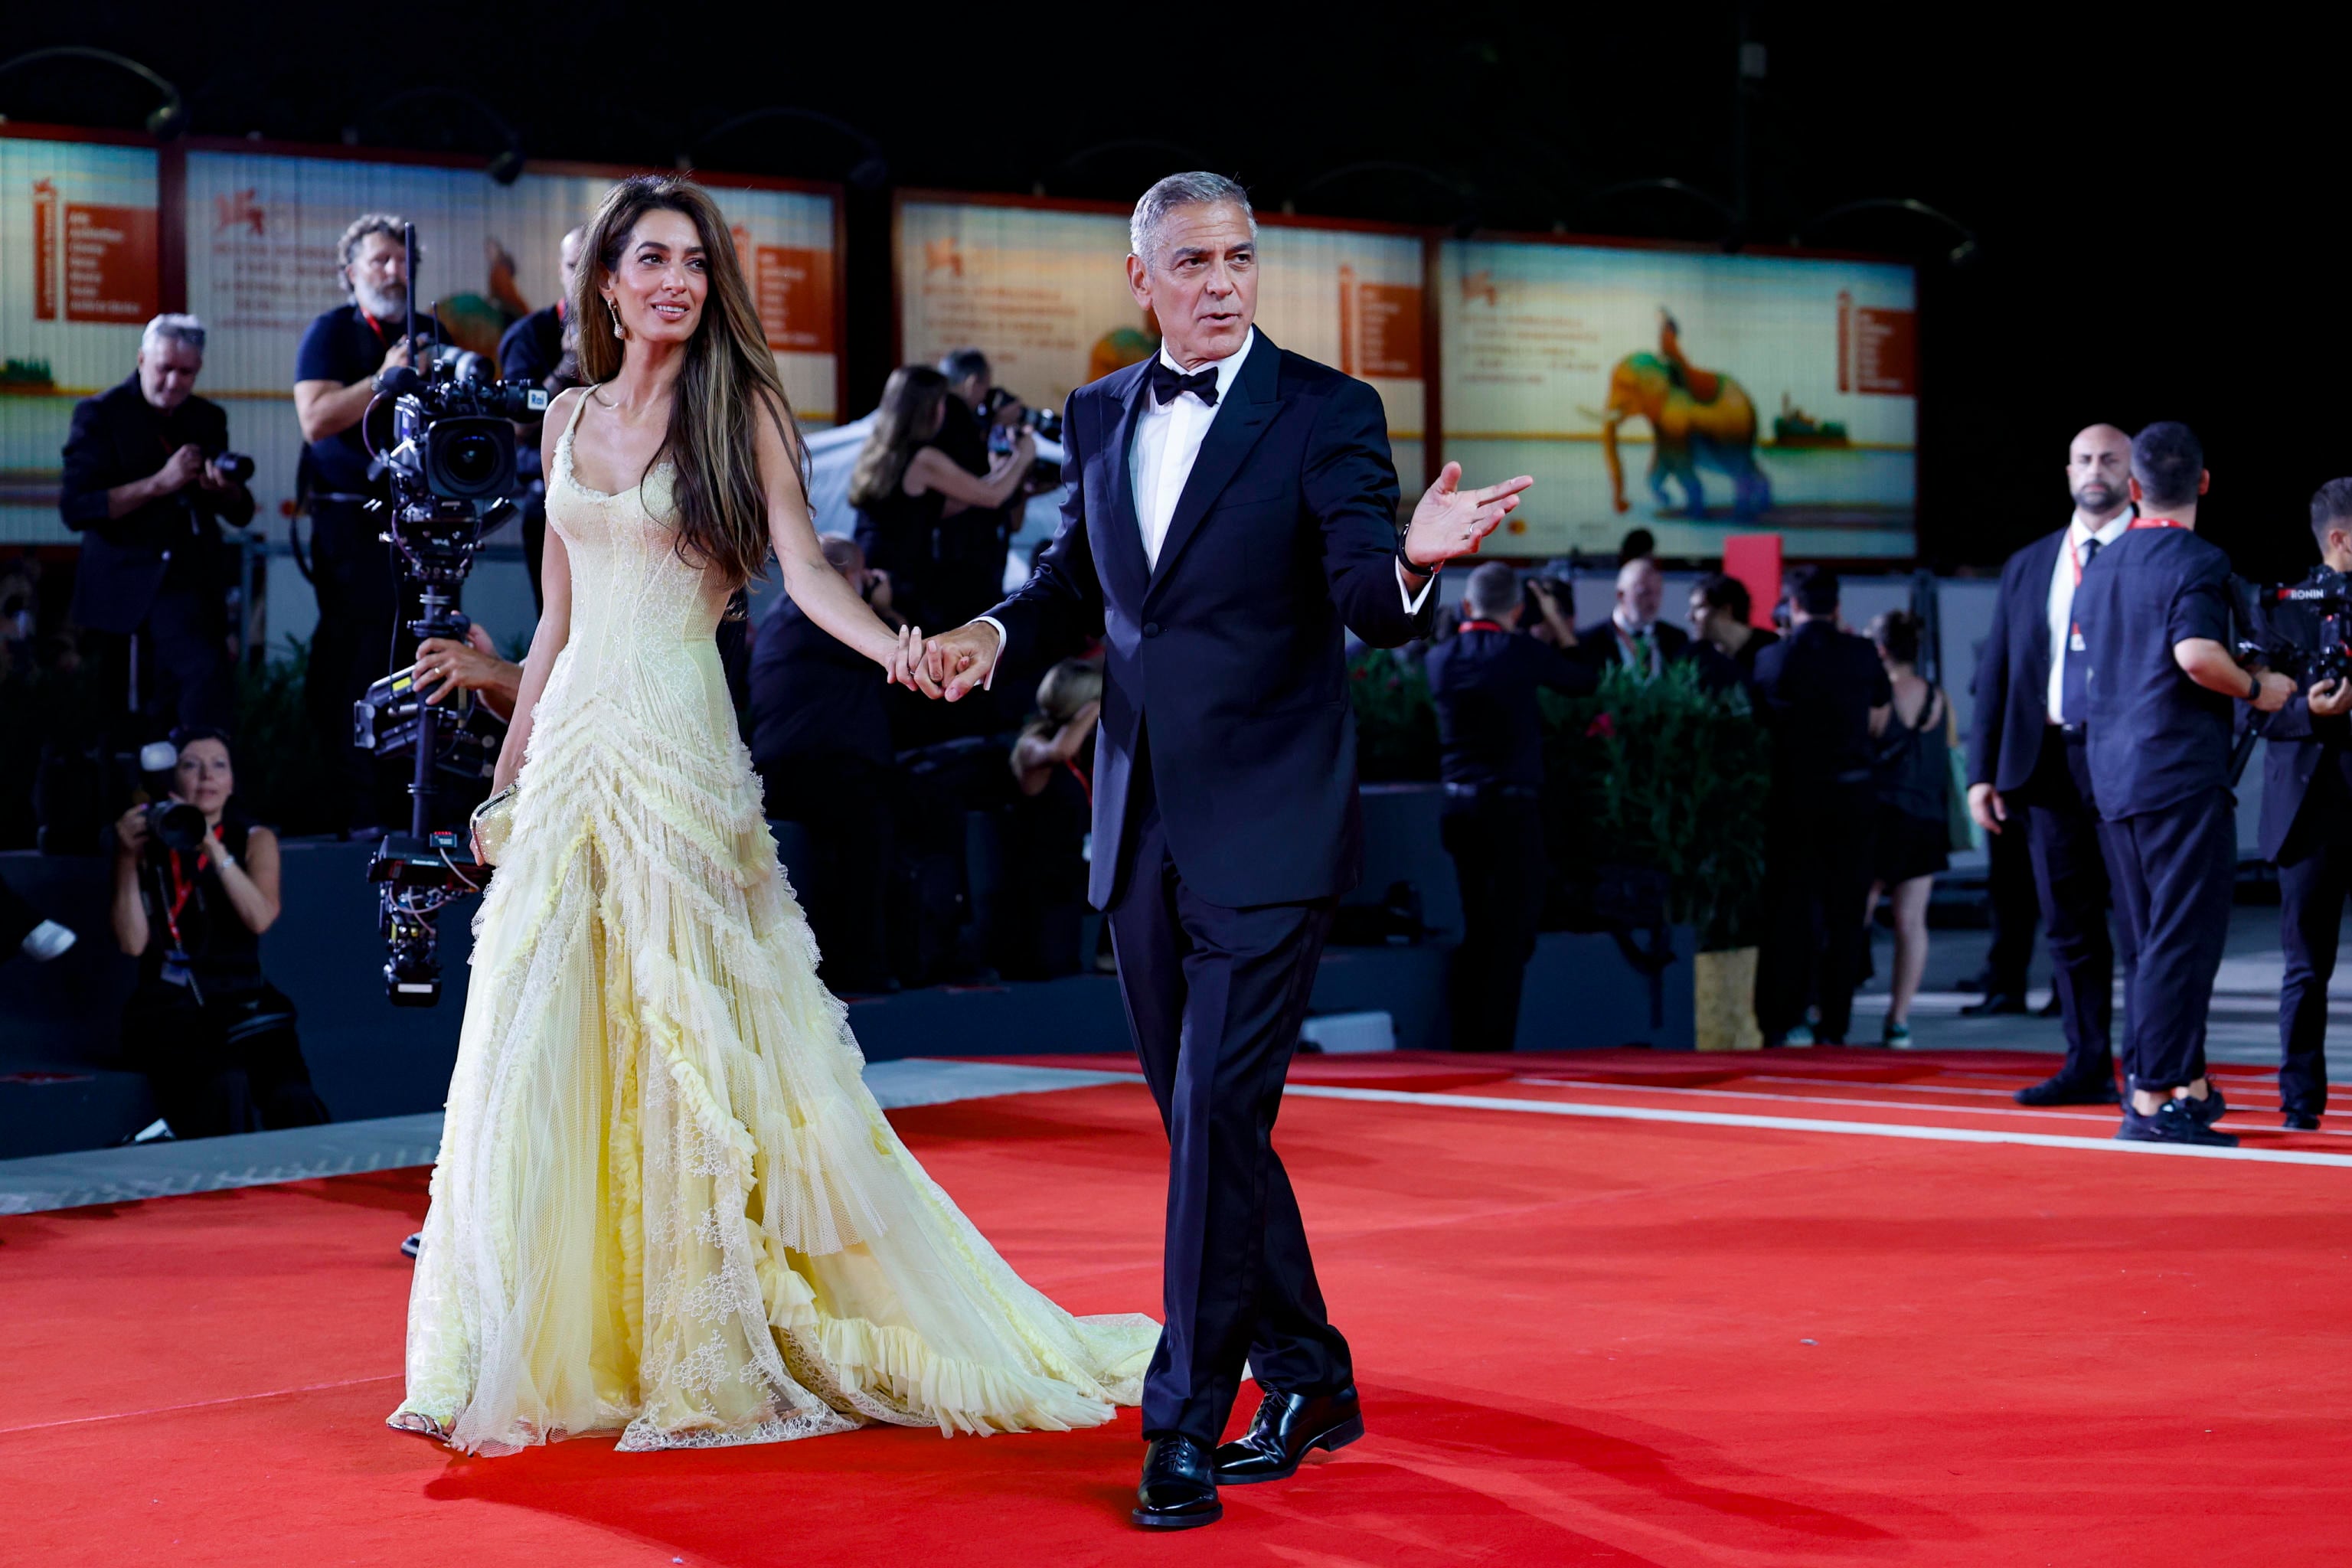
pixel 176 825
pixel 473 460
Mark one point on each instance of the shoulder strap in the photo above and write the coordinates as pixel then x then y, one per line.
pixel 585 393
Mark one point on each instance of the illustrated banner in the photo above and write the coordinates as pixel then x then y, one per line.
pixel 1043 292
pixel 78 278
pixel 1694 393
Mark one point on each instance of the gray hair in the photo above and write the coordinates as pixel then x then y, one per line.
pixel 179 327
pixel 366 223
pixel 1494 588
pixel 1194 189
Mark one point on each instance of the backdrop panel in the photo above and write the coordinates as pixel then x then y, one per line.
pixel 79 274
pixel 262 232
pixel 1695 394
pixel 1043 291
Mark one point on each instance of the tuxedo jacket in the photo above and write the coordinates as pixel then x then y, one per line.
pixel 2012 680
pixel 1228 653
pixel 1597 644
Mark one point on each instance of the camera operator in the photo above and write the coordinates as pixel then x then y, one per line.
pixel 1826 696
pixel 2157 688
pixel 1484 681
pixel 534 350
pixel 2307 831
pixel 148 482
pixel 445 667
pixel 361 608
pixel 904 481
pixel 195 884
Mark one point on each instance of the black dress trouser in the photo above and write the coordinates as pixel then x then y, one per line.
pixel 1496 842
pixel 2016 911
pixel 2070 874
pixel 1818 838
pixel 1214 997
pixel 358 638
pixel 2312 886
pixel 2174 871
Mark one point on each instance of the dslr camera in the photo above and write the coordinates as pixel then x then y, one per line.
pixel 1046 424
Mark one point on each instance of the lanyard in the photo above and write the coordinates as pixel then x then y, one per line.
pixel 1084 782
pixel 2139 522
pixel 376 327
pixel 1481 627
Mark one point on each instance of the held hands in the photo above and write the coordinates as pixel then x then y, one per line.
pixel 1986 806
pixel 2331 698
pixel 1451 522
pixel 961 660
pixel 911 664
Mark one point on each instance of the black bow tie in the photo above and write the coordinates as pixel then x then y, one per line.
pixel 1169 384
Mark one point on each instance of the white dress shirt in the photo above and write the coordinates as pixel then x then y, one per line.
pixel 1167 443
pixel 1628 630
pixel 2062 594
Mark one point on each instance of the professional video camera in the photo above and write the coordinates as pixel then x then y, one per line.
pixel 2301 629
pixel 451 465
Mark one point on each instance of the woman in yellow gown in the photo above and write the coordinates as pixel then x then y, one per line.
pixel 666 1204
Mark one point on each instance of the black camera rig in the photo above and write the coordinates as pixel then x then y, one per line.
pixel 2302 629
pixel 451 467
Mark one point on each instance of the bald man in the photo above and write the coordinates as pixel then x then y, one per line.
pixel 2029 769
pixel 1633 636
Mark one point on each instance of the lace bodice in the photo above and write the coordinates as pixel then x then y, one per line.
pixel 643 619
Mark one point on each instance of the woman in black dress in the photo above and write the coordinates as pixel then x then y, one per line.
pixel 1915 779
pixel 903 487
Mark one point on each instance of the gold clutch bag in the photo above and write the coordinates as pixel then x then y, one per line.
pixel 494 825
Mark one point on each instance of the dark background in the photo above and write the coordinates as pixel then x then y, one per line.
pixel 2155 197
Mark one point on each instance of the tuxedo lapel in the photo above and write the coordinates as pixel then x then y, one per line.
pixel 1243 415
pixel 1120 546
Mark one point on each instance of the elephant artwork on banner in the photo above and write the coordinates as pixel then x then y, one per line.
pixel 1697 419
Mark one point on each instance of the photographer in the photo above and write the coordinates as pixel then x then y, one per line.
pixel 2307 831
pixel 974 541
pixel 1484 681
pixel 195 885
pixel 361 605
pixel 148 483
pixel 903 483
pixel 541 348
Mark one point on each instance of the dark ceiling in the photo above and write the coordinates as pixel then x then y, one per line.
pixel 2153 202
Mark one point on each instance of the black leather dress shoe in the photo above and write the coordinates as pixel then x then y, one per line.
pixel 2300 1121
pixel 1287 1425
pixel 1178 1489
pixel 2064 1091
pixel 1995 1002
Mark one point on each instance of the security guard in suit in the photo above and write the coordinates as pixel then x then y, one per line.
pixel 2307 831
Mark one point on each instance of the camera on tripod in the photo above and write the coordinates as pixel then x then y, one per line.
pixel 451 467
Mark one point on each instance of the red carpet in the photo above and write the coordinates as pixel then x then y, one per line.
pixel 1578 1340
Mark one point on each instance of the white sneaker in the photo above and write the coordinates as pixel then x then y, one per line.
pixel 48 940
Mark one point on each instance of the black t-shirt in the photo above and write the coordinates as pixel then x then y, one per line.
pixel 2156 737
pixel 343 346
pixel 1489 726
pixel 1819 685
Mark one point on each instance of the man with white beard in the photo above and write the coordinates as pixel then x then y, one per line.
pixel 360 603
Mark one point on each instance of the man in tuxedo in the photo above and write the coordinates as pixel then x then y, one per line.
pixel 2307 832
pixel 2025 749
pixel 1234 506
pixel 1633 635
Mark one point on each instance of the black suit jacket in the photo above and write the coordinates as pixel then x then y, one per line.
pixel 1230 650
pixel 118 437
pixel 2299 745
pixel 2012 680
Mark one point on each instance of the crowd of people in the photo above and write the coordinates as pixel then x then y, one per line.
pixel 1864 810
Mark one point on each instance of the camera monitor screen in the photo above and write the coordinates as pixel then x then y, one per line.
pixel 1691 393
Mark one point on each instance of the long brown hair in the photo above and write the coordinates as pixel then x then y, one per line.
pixel 911 399
pixel 729 379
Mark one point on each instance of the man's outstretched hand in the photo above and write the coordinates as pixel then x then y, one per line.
pixel 1451 522
pixel 960 660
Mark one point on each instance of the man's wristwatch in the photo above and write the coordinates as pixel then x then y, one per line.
pixel 2256 694
pixel 1408 564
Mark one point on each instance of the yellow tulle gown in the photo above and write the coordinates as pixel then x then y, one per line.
pixel 666 1204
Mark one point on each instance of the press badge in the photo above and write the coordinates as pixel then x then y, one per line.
pixel 1086 850
pixel 176 968
pixel 2074 643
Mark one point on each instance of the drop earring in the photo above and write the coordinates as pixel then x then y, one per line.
pixel 614 310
